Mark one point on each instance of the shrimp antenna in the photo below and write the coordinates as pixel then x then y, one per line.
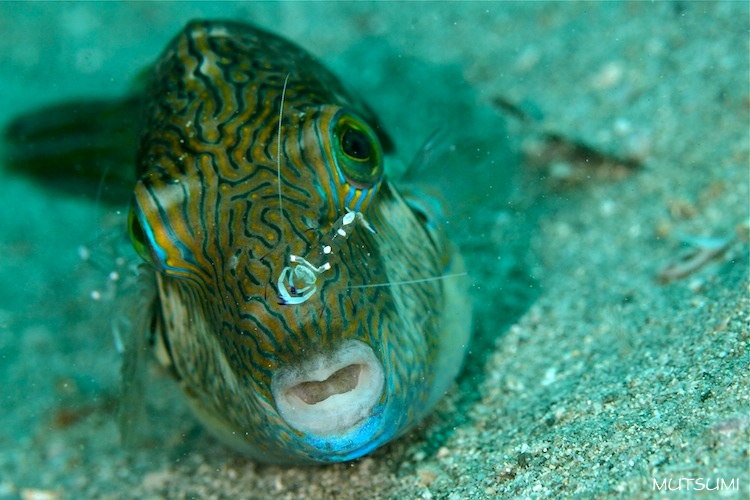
pixel 409 282
pixel 278 157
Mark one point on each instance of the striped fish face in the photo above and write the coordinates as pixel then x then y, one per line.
pixel 267 227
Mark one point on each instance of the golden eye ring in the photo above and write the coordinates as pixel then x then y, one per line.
pixel 358 152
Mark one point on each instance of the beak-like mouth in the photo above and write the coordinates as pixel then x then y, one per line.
pixel 342 381
pixel 330 394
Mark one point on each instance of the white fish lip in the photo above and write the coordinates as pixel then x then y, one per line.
pixel 330 394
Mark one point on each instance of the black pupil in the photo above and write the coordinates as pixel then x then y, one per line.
pixel 137 231
pixel 356 144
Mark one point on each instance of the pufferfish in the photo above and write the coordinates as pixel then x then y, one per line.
pixel 309 311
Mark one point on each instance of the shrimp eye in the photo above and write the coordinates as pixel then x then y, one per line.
pixel 357 151
pixel 138 237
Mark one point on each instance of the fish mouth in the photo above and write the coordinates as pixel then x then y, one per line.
pixel 330 394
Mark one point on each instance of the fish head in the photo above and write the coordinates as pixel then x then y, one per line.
pixel 263 207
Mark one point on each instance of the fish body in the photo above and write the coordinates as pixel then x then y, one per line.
pixel 299 299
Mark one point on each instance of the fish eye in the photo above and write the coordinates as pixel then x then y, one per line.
pixel 138 236
pixel 356 144
pixel 358 151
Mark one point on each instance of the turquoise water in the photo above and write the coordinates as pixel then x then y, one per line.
pixel 587 376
